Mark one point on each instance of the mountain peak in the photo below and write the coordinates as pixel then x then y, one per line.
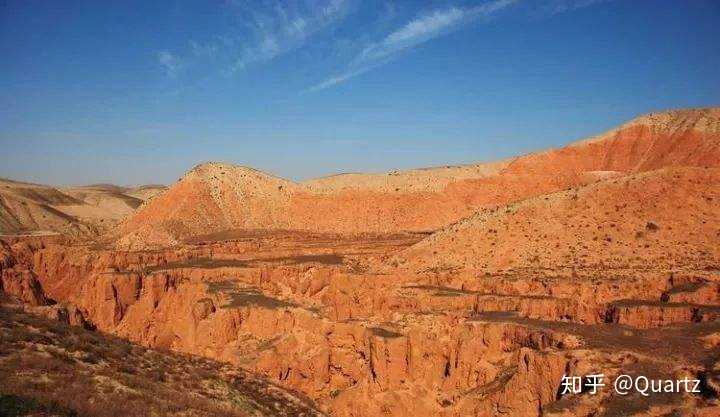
pixel 218 170
pixel 705 119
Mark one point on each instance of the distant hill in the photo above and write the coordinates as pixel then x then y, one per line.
pixel 217 197
pixel 74 211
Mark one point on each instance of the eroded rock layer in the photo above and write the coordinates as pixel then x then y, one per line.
pixel 456 291
pixel 323 315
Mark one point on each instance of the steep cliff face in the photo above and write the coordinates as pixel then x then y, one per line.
pixel 48 368
pixel 216 197
pixel 314 314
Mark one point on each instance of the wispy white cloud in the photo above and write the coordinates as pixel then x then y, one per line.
pixel 437 23
pixel 170 63
pixel 339 79
pixel 203 50
pixel 426 25
pixel 554 7
pixel 262 32
pixel 413 33
pixel 281 29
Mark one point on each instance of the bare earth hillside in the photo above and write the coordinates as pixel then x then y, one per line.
pixel 76 211
pixel 106 205
pixel 217 197
pixel 451 291
pixel 667 217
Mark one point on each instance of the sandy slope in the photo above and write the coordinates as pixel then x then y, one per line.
pixel 32 208
pixel 675 138
pixel 665 217
pixel 75 211
pixel 423 179
pixel 216 197
pixel 105 205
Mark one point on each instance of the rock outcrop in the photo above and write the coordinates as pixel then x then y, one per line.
pixel 48 368
pixel 600 257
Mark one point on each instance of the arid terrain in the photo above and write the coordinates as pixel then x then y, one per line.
pixel 85 211
pixel 70 371
pixel 449 291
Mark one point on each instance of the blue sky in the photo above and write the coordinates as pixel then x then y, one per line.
pixel 138 92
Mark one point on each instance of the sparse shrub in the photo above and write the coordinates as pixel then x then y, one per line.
pixel 13 405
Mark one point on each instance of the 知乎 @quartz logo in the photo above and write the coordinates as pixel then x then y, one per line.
pixel 628 384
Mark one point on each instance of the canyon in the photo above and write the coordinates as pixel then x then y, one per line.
pixel 448 291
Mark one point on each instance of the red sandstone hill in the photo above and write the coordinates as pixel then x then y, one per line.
pixel 218 197
pixel 210 198
pixel 657 140
pixel 667 217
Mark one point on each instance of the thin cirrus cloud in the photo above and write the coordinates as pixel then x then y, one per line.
pixel 266 30
pixel 280 29
pixel 415 32
pixel 562 6
pixel 170 63
pixel 260 33
pixel 440 22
